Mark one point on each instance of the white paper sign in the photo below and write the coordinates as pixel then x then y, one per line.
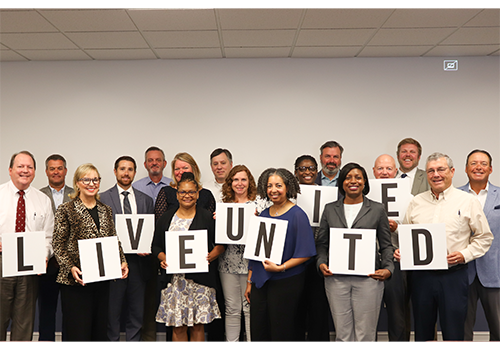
pixel 135 232
pixel 265 239
pixel 423 247
pixel 394 194
pixel 312 199
pixel 100 259
pixel 186 251
pixel 23 253
pixel 232 222
pixel 352 251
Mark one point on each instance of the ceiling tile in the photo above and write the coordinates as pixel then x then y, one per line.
pixel 89 20
pixel 19 21
pixel 487 17
pixel 259 18
pixel 122 54
pixel 407 36
pixel 258 37
pixel 183 39
pixel 174 19
pixel 486 35
pixel 462 50
pixel 345 18
pixel 415 18
pixel 333 37
pixel 325 52
pixel 393 51
pixel 55 55
pixel 258 52
pixel 189 53
pixel 109 40
pixel 36 41
pixel 9 55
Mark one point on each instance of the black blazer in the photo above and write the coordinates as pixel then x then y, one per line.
pixel 371 216
pixel 203 219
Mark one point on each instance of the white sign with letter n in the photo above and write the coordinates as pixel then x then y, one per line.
pixel 266 239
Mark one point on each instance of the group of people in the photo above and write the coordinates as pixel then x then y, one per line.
pixel 240 299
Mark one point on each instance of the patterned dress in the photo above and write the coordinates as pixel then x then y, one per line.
pixel 184 302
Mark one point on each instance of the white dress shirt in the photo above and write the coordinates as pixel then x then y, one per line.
pixel 131 199
pixel 39 215
pixel 481 196
pixel 216 189
pixel 461 213
pixel 411 175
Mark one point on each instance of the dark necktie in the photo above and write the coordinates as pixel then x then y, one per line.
pixel 403 175
pixel 126 204
pixel 21 213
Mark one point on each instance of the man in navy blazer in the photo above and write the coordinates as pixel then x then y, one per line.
pixel 484 273
pixel 124 199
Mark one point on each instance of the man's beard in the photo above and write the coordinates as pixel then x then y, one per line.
pixel 328 171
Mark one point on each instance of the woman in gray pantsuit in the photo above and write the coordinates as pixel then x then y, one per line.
pixel 355 300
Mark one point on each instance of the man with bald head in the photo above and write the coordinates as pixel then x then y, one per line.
pixel 396 296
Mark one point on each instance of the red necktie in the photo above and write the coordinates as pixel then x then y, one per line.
pixel 21 213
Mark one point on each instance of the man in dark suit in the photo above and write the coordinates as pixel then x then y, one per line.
pixel 484 273
pixel 409 153
pixel 124 199
pixel 331 160
pixel 48 288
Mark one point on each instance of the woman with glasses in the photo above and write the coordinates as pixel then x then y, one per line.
pixel 274 291
pixel 167 197
pixel 84 306
pixel 355 300
pixel 188 301
pixel 314 308
pixel 239 187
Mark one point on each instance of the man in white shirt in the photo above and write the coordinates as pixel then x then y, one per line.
pixel 48 289
pixel 484 272
pixel 468 237
pixel 409 153
pixel 155 163
pixel 221 162
pixel 17 200
pixel 124 199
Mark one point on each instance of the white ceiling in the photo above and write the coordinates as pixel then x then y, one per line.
pixel 132 34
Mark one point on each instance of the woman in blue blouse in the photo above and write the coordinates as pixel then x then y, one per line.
pixel 274 291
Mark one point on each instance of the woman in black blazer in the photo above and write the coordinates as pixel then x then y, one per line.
pixel 355 300
pixel 188 301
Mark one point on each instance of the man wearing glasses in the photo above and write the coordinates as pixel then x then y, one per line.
pixel 468 237
pixel 22 209
pixel 124 199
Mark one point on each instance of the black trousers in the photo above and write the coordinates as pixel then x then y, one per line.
pixel 85 311
pixel 274 309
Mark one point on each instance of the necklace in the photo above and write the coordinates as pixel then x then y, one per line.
pixel 276 211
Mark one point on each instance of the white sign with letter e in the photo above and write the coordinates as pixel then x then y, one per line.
pixel 232 222
pixel 23 253
pixel 394 194
pixel 352 251
pixel 100 259
pixel 135 232
pixel 266 239
pixel 186 251
pixel 312 199
pixel 423 247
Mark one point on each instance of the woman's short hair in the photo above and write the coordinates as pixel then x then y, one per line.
pixel 290 181
pixel 343 174
pixel 302 158
pixel 80 172
pixel 228 195
pixel 189 177
pixel 186 157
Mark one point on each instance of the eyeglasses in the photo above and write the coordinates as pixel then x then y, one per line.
pixel 86 181
pixel 185 193
pixel 304 168
pixel 438 170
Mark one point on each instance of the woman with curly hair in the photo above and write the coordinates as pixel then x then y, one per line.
pixel 239 187
pixel 275 291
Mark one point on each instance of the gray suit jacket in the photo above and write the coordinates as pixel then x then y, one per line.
pixel 420 183
pixel 67 191
pixel 111 197
pixel 371 216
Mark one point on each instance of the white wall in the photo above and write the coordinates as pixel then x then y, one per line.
pixel 266 111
